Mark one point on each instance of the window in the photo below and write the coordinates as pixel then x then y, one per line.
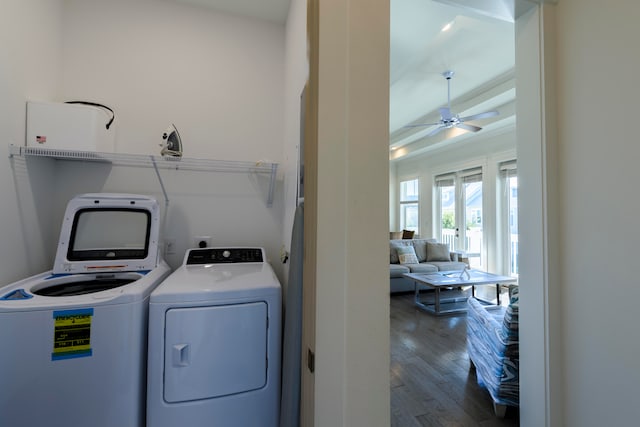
pixel 128 236
pixel 460 224
pixel 446 209
pixel 409 218
pixel 509 177
pixel 472 231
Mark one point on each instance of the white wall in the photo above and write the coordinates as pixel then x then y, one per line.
pixel 29 67
pixel 219 78
pixel 598 71
pixel 352 282
pixel 485 151
pixel 541 379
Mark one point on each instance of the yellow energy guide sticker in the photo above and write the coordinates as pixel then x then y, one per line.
pixel 72 333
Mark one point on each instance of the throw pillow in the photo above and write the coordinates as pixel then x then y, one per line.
pixel 407 255
pixel 420 246
pixel 438 252
pixel 408 234
pixel 395 235
pixel 393 249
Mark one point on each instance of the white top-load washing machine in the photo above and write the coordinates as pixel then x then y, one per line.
pixel 214 342
pixel 74 338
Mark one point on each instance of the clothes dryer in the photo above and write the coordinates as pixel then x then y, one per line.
pixel 74 338
pixel 214 342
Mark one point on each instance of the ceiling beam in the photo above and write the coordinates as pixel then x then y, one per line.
pixel 424 144
pixel 499 89
pixel 506 10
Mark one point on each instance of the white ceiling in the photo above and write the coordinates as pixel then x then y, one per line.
pixel 479 47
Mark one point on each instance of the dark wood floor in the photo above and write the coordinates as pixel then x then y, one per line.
pixel 431 383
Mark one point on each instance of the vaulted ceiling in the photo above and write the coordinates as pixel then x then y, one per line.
pixel 429 37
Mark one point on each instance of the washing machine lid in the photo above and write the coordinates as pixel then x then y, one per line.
pixel 106 232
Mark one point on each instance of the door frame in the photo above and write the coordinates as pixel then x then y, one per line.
pixel 350 391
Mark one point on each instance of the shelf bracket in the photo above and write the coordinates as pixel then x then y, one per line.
pixel 164 190
pixel 272 182
pixel 164 193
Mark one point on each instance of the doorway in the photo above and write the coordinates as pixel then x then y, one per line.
pixel 531 140
pixel 459 213
pixel 346 381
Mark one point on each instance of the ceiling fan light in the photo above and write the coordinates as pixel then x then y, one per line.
pixel 447 26
pixel 455 132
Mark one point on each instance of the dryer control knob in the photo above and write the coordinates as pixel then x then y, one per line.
pixel 226 254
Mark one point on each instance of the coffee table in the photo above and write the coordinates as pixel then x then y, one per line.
pixel 455 303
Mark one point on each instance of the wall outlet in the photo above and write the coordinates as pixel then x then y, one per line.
pixel 169 246
pixel 201 241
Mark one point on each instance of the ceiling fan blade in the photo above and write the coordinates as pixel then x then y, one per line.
pixel 436 131
pixel 421 125
pixel 470 128
pixel 484 115
pixel 445 113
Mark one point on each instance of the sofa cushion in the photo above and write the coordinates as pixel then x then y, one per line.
pixel 438 252
pixel 448 265
pixel 398 270
pixel 407 255
pixel 422 268
pixel 420 245
pixel 393 249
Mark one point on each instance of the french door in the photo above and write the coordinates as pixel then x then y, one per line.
pixel 459 211
pixel 509 177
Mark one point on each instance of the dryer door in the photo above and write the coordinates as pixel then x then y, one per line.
pixel 215 351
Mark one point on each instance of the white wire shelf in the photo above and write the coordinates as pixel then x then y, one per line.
pixel 155 162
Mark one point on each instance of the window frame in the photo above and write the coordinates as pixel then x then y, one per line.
pixel 404 203
pixel 506 170
pixel 440 181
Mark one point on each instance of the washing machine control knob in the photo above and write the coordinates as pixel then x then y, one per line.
pixel 226 254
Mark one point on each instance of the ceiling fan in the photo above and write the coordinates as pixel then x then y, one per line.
pixel 449 120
